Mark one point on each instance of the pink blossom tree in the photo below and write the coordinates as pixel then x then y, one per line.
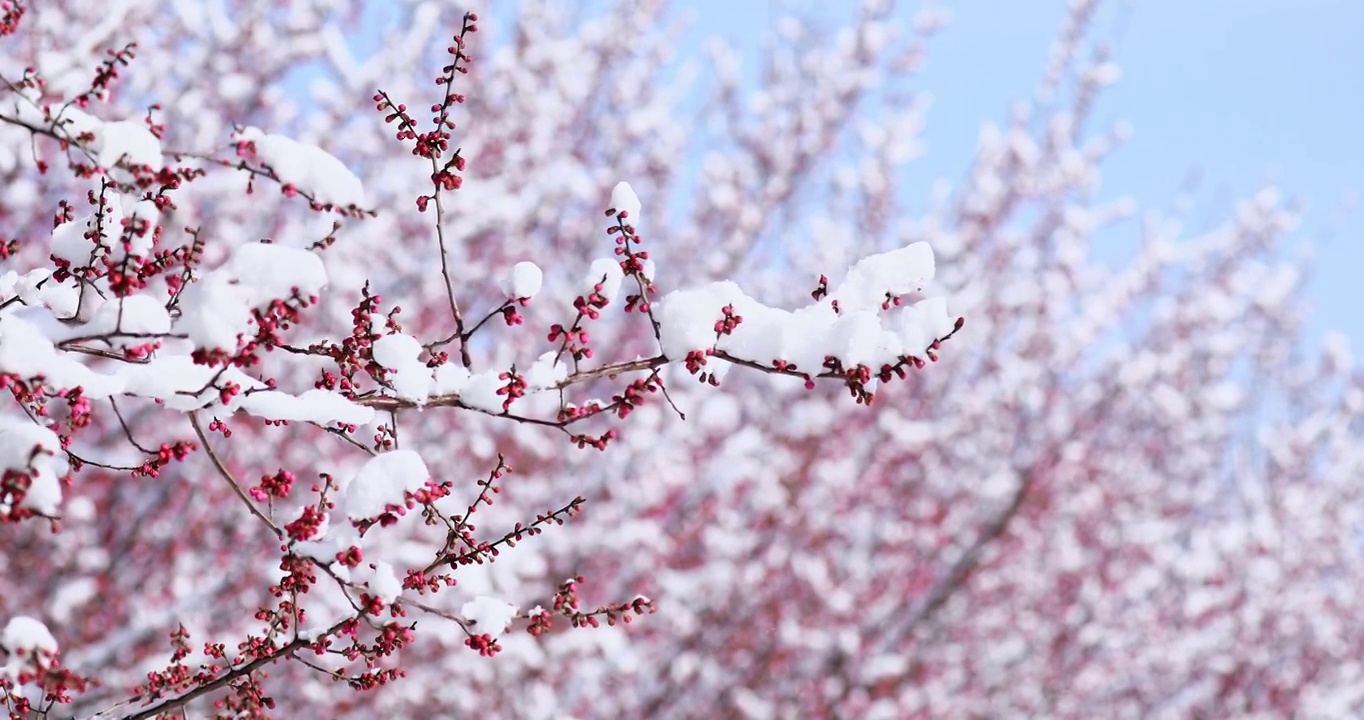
pixel 361 387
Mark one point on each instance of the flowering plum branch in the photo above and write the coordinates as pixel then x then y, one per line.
pixel 132 312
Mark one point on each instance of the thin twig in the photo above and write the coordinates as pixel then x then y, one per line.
pixel 445 273
pixel 227 475
pixel 436 611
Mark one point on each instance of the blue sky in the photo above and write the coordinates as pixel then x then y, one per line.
pixel 1236 91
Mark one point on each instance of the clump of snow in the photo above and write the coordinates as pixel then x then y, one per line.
pixel 480 391
pixel 858 338
pixel 604 272
pixel 70 241
pixel 309 169
pixel 523 281
pixel 450 379
pixel 923 322
pixel 489 616
pixel 142 314
pixel 215 311
pixel 217 308
pixel 800 337
pixel 26 106
pixel 128 141
pixel 28 642
pixel 28 353
pixel 624 200
pixel 323 407
pixel 546 372
pixel 274 271
pixel 688 316
pixel 897 272
pixel 396 350
pixel 180 384
pixel 330 540
pixel 26 633
pixel 385 584
pixel 64 299
pixel 37 452
pixel 856 324
pixel 411 378
pixel 26 287
pixel 383 481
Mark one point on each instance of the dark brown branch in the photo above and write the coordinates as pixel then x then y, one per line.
pixel 240 671
pixel 385 402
